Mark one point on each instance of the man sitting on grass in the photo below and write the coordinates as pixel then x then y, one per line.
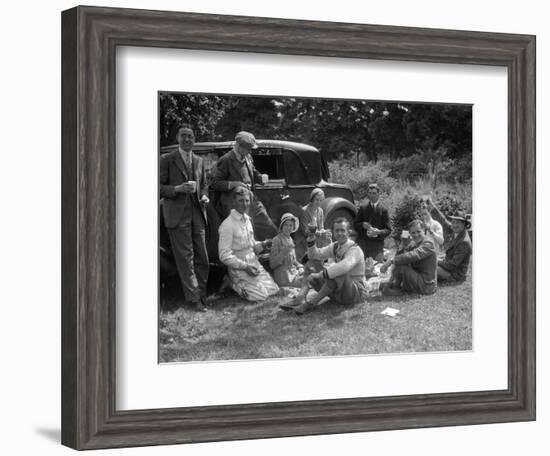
pixel 343 281
pixel 458 246
pixel 414 266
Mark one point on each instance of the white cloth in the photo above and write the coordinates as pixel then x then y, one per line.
pixel 236 250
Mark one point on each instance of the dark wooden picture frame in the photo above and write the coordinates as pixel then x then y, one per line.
pixel 90 36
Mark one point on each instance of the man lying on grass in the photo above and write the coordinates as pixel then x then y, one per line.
pixel 343 281
pixel 415 265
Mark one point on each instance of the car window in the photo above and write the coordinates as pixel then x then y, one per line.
pixel 295 172
pixel 270 162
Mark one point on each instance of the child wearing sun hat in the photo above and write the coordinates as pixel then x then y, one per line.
pixel 287 271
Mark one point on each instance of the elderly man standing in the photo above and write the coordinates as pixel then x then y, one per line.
pixel 414 266
pixel 184 191
pixel 237 249
pixel 458 247
pixel 236 169
pixel 343 281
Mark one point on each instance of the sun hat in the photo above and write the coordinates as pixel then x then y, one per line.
pixel 244 138
pixel 288 216
pixel 315 191
pixel 463 217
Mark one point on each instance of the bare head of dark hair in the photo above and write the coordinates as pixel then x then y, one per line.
pixel 417 222
pixel 343 220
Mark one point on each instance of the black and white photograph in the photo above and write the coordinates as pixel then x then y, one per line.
pixel 312 227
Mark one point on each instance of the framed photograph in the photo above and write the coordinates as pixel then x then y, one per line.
pixel 280 228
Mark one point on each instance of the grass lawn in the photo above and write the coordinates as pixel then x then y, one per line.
pixel 235 329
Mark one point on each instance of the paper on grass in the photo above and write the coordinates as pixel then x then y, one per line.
pixel 390 311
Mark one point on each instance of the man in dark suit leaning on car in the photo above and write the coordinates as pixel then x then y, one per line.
pixel 184 191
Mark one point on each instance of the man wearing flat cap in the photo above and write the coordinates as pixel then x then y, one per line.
pixel 236 169
pixel 458 246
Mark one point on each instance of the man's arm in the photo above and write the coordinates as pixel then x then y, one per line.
pixel 462 250
pixel 385 228
pixel 438 216
pixel 166 191
pixel 203 183
pixel 220 178
pixel 424 250
pixel 319 253
pixel 438 233
pixel 256 174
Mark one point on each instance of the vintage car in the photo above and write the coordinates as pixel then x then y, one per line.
pixel 294 169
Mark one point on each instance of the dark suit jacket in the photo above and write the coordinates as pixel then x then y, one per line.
pixel 457 256
pixel 379 218
pixel 173 172
pixel 422 258
pixel 227 175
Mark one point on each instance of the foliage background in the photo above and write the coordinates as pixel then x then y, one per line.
pixel 408 148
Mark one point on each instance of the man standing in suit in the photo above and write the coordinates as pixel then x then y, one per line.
pixel 184 194
pixel 236 169
pixel 372 224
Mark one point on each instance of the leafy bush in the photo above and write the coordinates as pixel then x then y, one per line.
pixel 406 210
pixel 449 204
pixel 409 169
pixel 359 178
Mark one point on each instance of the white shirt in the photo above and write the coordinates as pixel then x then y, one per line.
pixel 236 243
pixel 187 157
pixel 352 263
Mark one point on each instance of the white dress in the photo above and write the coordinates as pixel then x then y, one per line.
pixel 236 250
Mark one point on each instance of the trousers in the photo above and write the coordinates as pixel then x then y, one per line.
pixel 189 248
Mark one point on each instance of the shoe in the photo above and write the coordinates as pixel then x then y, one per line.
pixel 303 308
pixel 390 291
pixel 293 303
pixel 199 306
